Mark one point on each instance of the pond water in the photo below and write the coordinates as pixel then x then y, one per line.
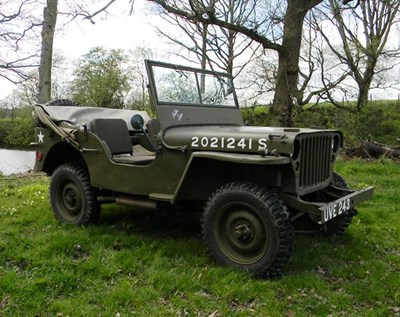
pixel 15 161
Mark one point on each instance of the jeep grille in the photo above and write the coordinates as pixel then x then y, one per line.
pixel 313 164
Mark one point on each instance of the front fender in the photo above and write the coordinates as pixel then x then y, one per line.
pixel 233 159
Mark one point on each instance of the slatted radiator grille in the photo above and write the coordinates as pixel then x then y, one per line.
pixel 315 158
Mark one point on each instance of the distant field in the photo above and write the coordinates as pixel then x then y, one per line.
pixel 141 263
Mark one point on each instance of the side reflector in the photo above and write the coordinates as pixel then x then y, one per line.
pixel 39 156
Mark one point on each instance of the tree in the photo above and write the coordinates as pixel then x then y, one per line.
pixel 138 97
pixel 215 47
pixel 18 27
pixel 363 53
pixel 287 47
pixel 101 79
pixel 46 56
pixel 48 29
pixel 288 63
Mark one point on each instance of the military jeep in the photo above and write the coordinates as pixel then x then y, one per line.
pixel 256 186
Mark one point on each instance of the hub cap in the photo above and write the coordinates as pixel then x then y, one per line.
pixel 241 234
pixel 70 198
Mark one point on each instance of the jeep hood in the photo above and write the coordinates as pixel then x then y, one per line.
pixel 242 139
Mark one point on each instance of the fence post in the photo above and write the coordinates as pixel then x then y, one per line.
pixel 398 101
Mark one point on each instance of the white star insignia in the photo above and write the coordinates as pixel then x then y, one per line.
pixel 41 137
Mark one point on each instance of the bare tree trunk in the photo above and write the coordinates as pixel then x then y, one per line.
pixel 203 55
pixel 288 68
pixel 46 55
pixel 231 38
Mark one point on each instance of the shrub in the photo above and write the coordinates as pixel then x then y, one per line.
pixel 379 120
pixel 17 131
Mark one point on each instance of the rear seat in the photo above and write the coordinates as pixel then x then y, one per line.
pixel 115 134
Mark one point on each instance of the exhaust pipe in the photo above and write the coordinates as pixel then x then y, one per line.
pixel 134 202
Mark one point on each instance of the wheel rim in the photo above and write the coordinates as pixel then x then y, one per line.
pixel 241 234
pixel 70 200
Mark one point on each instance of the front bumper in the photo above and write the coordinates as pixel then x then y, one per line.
pixel 338 202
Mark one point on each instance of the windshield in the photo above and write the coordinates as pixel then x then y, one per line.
pixel 179 85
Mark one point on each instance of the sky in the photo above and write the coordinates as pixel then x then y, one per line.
pixel 118 30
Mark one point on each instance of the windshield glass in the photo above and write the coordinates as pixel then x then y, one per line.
pixel 186 86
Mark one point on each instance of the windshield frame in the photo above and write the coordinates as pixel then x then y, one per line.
pixel 152 66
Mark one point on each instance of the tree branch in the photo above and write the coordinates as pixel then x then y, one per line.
pixel 203 14
pixel 91 16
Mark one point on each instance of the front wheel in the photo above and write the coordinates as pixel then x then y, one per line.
pixel 338 225
pixel 245 226
pixel 73 199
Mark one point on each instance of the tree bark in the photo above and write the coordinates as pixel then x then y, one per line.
pixel 203 56
pixel 46 55
pixel 288 68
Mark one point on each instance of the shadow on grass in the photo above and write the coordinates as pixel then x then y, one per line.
pixel 316 253
pixel 168 224
pixel 181 232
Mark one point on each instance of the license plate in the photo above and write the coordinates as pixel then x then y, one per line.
pixel 335 209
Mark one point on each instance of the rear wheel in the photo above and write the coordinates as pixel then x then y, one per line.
pixel 73 199
pixel 246 227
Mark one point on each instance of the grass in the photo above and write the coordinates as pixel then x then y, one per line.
pixel 147 263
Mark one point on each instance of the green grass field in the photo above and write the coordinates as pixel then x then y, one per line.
pixel 148 263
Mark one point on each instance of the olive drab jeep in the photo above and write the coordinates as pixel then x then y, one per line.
pixel 257 185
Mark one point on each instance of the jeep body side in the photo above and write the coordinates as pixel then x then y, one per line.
pixel 256 184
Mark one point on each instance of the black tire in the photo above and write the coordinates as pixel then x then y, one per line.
pixel 335 227
pixel 338 225
pixel 73 199
pixel 247 227
pixel 62 102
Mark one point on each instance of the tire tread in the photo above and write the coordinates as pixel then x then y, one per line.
pixel 92 212
pixel 280 218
